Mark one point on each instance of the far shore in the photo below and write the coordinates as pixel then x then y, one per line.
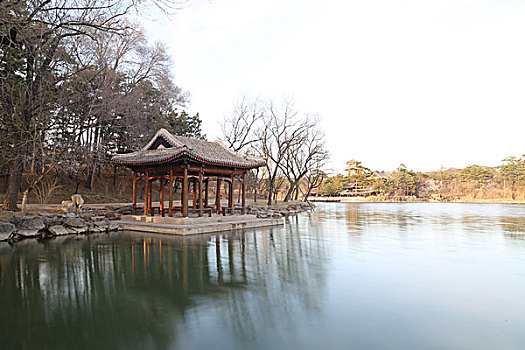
pixel 373 199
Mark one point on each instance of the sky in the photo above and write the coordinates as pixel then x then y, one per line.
pixel 419 82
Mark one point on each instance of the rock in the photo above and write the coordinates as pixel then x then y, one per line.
pixel 277 215
pixel 45 214
pixel 124 210
pixel 70 215
pixel 113 226
pixel 58 230
pixel 87 216
pixel 29 226
pixel 76 230
pixel 77 200
pixel 6 216
pixel 75 223
pixel 52 220
pixel 111 215
pixel 98 218
pixel 101 224
pixel 6 230
pixel 262 215
pixel 68 206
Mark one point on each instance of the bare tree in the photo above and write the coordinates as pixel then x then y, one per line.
pixel 239 129
pixel 315 177
pixel 310 151
pixel 283 130
pixel 289 143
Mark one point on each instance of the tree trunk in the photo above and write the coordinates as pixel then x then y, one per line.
pixel 270 191
pixel 24 201
pixel 290 192
pixel 305 199
pixel 91 178
pixel 14 183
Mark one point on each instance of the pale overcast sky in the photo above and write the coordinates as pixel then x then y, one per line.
pixel 418 82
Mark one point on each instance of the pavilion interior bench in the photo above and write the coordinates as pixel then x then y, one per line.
pixel 207 210
pixel 230 210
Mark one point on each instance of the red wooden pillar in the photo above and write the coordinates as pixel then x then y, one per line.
pixel 230 198
pixel 134 210
pixel 170 195
pixel 152 211
pixel 194 193
pixel 146 191
pixel 201 209
pixel 218 196
pixel 185 192
pixel 161 196
pixel 243 189
pixel 206 192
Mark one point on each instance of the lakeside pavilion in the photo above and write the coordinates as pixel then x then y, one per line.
pixel 172 160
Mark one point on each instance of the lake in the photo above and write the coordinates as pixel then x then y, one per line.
pixel 346 276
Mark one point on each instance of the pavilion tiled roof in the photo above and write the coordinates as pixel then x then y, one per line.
pixel 214 153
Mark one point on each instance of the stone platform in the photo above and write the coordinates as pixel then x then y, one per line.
pixel 192 226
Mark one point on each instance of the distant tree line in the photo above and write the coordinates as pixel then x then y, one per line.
pixel 80 82
pixel 506 181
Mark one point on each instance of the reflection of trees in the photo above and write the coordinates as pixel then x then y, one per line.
pixel 513 227
pixel 130 291
pixel 360 216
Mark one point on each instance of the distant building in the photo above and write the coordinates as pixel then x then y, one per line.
pixel 359 185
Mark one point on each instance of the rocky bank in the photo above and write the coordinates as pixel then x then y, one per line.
pixel 15 227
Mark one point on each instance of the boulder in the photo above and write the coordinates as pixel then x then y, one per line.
pixel 6 230
pixel 30 226
pixel 77 200
pixel 52 220
pixel 101 224
pixel 262 215
pixel 111 215
pixel 75 222
pixel 58 230
pixel 76 230
pixel 113 226
pixel 6 216
pixel 87 216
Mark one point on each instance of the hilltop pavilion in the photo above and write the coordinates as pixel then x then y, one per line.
pixel 172 159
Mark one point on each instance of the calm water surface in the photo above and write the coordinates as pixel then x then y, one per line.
pixel 347 276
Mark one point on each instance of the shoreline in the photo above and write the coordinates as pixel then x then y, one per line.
pixel 410 200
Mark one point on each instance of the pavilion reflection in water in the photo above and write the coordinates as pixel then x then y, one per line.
pixel 127 290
